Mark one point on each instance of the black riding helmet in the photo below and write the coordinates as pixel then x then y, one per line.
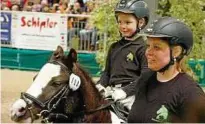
pixel 136 7
pixel 176 33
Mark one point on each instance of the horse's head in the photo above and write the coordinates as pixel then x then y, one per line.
pixel 48 89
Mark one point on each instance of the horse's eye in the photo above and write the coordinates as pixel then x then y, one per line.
pixel 56 83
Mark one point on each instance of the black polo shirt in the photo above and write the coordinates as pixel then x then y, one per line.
pixel 125 63
pixel 171 99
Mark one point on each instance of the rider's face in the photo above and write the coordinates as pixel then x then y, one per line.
pixel 127 24
pixel 157 53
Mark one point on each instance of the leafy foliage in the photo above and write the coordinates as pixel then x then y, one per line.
pixel 104 20
pixel 190 12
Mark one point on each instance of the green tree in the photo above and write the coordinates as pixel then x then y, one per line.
pixel 104 20
pixel 190 12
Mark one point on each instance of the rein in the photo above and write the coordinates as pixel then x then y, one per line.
pixel 103 106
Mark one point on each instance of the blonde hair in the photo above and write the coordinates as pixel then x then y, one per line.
pixel 182 67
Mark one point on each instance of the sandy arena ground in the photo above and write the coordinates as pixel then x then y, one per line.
pixel 13 82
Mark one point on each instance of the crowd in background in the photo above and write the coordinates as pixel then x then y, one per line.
pixel 77 26
pixel 50 6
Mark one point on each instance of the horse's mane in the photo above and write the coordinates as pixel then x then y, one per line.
pixel 92 98
pixel 86 77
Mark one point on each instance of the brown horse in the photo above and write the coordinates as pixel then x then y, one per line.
pixel 50 97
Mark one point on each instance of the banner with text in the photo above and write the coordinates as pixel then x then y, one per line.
pixel 5 19
pixel 44 31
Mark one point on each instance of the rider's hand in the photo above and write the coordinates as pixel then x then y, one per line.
pixel 100 87
pixel 128 101
pixel 105 92
pixel 118 94
pixel 74 82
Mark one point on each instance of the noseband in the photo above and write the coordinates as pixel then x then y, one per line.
pixel 47 107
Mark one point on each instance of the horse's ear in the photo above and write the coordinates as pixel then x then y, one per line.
pixel 72 55
pixel 58 53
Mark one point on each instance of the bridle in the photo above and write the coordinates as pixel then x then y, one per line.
pixel 47 107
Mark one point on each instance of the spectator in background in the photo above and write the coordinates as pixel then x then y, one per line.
pixel 81 21
pixel 46 9
pixel 24 3
pixel 62 8
pixel 54 8
pixel 88 35
pixel 36 8
pixel 15 7
pixel 77 8
pixel 27 8
pixel 5 8
pixel 90 6
pixel 44 3
pixel 78 22
pixel 82 4
pixel 5 5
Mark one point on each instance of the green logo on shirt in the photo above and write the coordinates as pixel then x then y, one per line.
pixel 130 57
pixel 162 115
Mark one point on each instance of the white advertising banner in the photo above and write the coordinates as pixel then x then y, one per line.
pixel 42 31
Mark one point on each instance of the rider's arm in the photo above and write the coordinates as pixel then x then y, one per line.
pixel 105 77
pixel 132 88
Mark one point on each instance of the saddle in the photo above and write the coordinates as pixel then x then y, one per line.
pixel 120 110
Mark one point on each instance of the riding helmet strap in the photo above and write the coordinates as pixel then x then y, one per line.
pixel 171 62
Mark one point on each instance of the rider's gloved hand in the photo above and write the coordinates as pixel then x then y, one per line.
pixel 128 101
pixel 105 92
pixel 100 87
pixel 74 82
pixel 118 94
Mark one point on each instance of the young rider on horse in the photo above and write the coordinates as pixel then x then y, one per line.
pixel 126 60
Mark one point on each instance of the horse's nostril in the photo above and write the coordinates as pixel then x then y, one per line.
pixel 21 109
